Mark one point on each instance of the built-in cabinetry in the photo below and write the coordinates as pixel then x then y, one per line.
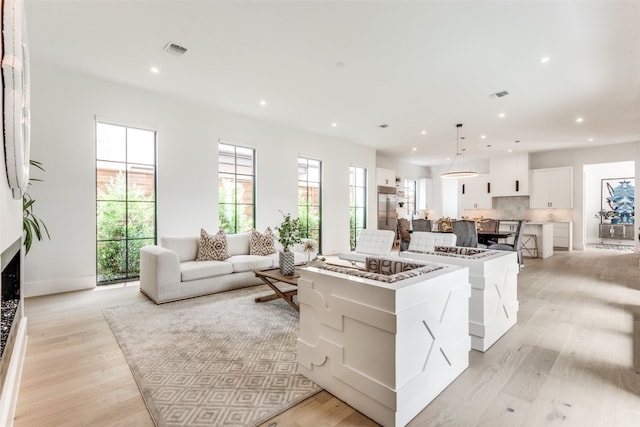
pixel 563 235
pixel 424 195
pixel 509 175
pixel 551 188
pixel 476 192
pixel 616 231
pixel 385 177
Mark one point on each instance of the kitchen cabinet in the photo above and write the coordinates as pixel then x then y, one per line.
pixel 385 177
pixel 551 188
pixel 424 196
pixel 509 175
pixel 563 235
pixel 476 192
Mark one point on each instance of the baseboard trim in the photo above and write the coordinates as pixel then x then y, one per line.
pixel 47 287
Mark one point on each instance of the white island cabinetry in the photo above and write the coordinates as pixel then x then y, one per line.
pixel 543 232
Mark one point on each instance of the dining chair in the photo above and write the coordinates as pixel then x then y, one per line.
pixel 421 224
pixel 403 233
pixel 489 226
pixel 516 243
pixel 466 233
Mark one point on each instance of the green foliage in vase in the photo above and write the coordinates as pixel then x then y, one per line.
pixel 605 215
pixel 289 231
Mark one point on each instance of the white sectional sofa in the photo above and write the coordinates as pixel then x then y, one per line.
pixel 170 271
pixel 386 340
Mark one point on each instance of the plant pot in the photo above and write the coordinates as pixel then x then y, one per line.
pixel 287 263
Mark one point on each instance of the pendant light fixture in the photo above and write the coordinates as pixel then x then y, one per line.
pixel 462 173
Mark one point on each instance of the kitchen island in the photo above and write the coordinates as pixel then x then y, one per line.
pixel 543 232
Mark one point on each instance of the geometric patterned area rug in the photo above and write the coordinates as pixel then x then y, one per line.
pixel 216 360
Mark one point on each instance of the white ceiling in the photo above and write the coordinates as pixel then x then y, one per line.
pixel 422 65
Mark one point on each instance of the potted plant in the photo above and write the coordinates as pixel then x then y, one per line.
pixel 288 235
pixel 604 215
pixel 32 226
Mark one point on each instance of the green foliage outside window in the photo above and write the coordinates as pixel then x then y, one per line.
pixel 126 222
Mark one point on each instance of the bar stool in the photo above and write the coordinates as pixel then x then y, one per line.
pixel 530 245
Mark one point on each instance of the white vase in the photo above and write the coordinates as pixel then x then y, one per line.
pixel 287 263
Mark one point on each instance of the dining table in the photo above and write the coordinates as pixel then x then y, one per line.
pixel 487 238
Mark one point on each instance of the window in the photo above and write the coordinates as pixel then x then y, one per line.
pixel 357 203
pixel 309 198
pixel 125 199
pixel 236 188
pixel 410 196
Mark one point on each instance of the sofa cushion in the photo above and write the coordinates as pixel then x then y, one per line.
pixel 262 243
pixel 242 263
pixel 185 247
pixel 194 270
pixel 389 266
pixel 212 247
pixel 238 244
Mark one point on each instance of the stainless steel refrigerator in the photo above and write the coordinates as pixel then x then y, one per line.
pixel 387 202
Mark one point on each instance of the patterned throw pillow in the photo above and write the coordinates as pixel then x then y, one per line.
pixel 262 244
pixel 212 247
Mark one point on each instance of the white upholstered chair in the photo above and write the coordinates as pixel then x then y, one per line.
pixel 370 242
pixel 425 241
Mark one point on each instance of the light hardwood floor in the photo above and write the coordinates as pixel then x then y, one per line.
pixel 573 359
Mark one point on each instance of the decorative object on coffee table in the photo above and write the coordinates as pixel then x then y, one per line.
pixel 309 246
pixel 288 235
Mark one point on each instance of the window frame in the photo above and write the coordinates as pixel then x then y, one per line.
pixel 306 231
pixel 235 203
pixel 354 228
pixel 127 167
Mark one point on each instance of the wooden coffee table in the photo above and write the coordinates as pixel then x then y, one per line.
pixel 272 276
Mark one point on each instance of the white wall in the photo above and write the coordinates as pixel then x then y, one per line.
pixel 403 170
pixel 64 109
pixel 578 158
pixel 10 209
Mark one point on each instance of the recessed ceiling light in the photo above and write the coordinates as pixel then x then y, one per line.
pixel 502 115
pixel 154 70
pixel 483 136
pixel 263 102
pixel 424 132
pixel 334 124
pixel 509 150
pixel 414 149
pixel 579 120
pixel 590 139
pixel 544 59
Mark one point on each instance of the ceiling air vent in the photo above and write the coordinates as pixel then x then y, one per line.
pixel 499 94
pixel 175 49
pixel 383 126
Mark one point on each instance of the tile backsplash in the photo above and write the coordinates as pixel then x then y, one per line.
pixel 518 207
